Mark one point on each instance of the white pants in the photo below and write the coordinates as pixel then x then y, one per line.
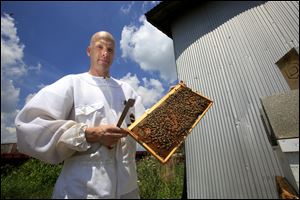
pixel 130 195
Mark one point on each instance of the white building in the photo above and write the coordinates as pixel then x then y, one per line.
pixel 230 52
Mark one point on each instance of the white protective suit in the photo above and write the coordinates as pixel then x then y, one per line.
pixel 50 128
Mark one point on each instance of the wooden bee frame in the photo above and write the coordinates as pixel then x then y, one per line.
pixel 163 128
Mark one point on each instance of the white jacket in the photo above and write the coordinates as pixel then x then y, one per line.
pixel 49 128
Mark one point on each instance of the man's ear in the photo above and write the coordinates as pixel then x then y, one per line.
pixel 88 50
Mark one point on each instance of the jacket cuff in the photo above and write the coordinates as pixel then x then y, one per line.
pixel 74 138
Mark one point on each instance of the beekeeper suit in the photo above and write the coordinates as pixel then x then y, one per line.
pixel 74 121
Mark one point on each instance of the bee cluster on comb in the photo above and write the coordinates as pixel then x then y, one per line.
pixel 166 125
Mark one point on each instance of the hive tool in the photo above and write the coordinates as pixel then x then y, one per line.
pixel 128 104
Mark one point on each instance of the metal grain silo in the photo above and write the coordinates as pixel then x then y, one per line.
pixel 228 51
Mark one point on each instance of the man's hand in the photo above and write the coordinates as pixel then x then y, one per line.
pixel 105 134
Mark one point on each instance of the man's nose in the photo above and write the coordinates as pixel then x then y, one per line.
pixel 105 53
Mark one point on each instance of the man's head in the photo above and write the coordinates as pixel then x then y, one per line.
pixel 101 52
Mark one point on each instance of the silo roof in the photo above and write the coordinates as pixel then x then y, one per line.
pixel 162 15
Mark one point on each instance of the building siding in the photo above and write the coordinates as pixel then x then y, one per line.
pixel 227 51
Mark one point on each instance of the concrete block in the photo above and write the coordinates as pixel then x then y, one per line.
pixel 282 113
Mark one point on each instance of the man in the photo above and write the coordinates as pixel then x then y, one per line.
pixel 74 121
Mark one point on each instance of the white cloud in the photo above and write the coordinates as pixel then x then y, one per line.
pixel 37 68
pixel 12 67
pixel 9 96
pixel 155 2
pixel 11 49
pixel 126 8
pixel 151 90
pixel 150 48
pixel 29 97
pixel 8 131
pixel 152 3
pixel 147 5
pixel 40 86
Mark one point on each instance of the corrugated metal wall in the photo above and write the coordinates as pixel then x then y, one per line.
pixel 227 51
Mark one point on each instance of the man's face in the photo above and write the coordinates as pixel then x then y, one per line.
pixel 101 53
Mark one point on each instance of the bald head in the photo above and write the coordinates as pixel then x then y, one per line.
pixel 101 52
pixel 102 35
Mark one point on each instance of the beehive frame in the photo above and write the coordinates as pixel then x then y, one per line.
pixel 162 129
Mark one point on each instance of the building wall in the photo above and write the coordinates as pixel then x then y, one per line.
pixel 227 51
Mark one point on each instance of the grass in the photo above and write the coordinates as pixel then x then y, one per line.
pixel 157 181
pixel 35 179
pixel 31 180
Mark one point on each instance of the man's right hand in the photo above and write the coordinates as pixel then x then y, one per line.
pixel 105 134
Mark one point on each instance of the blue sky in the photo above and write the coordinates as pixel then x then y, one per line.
pixel 43 41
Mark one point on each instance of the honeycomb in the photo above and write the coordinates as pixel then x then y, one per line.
pixel 163 128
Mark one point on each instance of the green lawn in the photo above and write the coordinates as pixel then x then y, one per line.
pixel 35 179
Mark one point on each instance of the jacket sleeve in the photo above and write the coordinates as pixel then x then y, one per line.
pixel 43 128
